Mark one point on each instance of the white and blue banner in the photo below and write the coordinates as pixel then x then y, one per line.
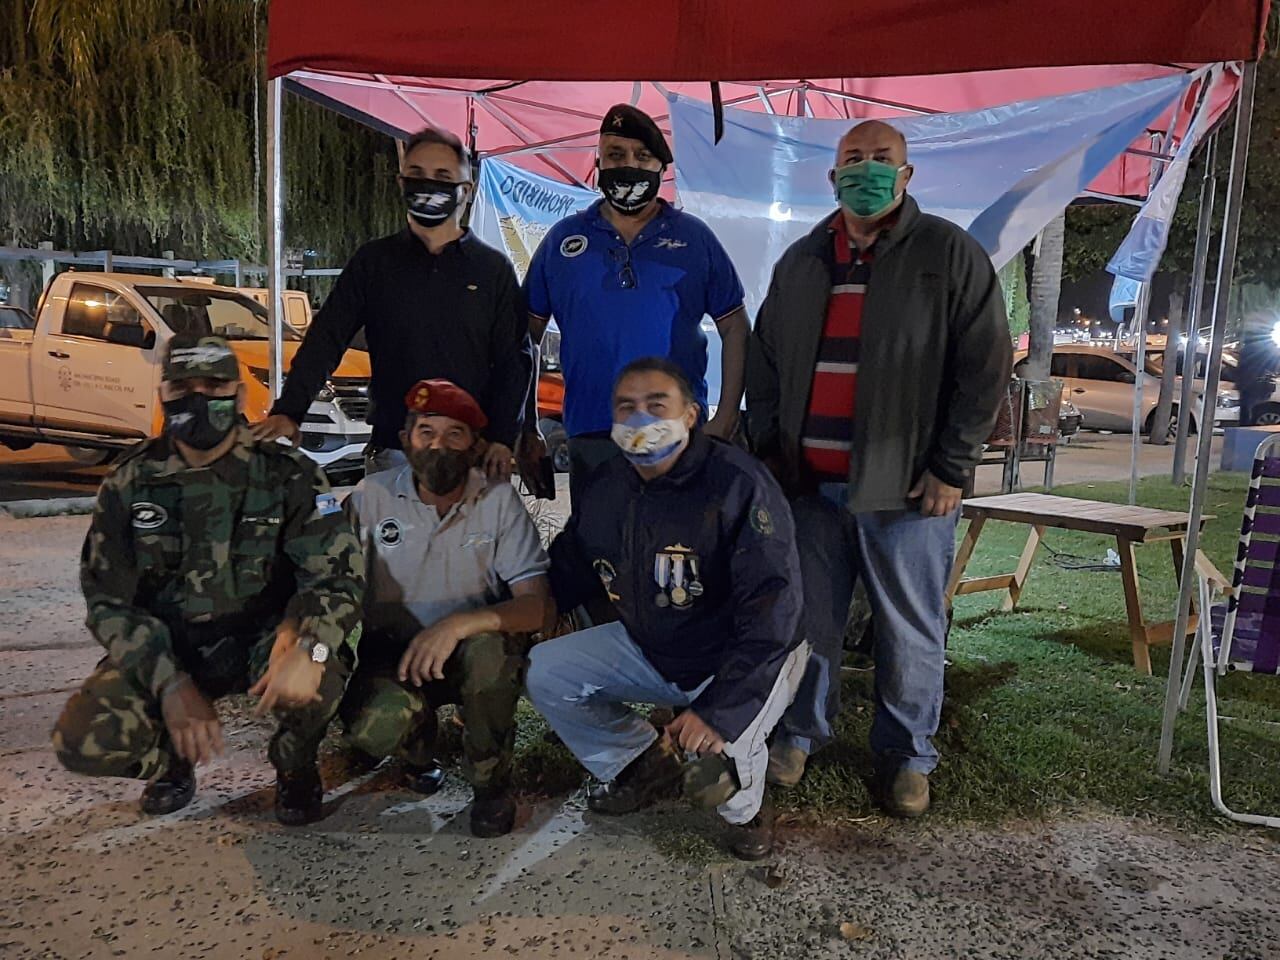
pixel 515 208
pixel 1139 255
pixel 1124 296
pixel 1001 173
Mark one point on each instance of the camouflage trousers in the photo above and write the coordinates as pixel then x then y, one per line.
pixel 387 718
pixel 112 725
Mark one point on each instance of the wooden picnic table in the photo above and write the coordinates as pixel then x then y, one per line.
pixel 1129 525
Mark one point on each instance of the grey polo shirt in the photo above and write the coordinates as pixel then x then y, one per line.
pixel 424 567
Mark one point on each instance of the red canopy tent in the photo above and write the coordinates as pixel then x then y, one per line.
pixel 378 61
pixel 751 39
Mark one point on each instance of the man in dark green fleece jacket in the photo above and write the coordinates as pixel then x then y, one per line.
pixel 874 372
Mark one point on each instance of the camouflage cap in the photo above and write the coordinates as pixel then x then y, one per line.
pixel 191 356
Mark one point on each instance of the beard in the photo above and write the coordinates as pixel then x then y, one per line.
pixel 442 471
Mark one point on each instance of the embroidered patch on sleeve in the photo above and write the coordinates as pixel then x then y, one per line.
pixel 761 522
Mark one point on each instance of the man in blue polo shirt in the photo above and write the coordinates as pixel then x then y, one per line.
pixel 633 277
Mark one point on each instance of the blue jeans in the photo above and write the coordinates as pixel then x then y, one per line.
pixel 904 560
pixel 583 682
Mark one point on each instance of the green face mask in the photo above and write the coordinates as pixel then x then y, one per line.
pixel 866 188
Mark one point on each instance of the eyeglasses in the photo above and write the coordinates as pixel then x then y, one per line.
pixel 622 259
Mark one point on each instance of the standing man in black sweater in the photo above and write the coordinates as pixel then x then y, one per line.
pixel 435 303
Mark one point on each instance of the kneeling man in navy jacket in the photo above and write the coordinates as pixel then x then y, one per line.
pixel 689 543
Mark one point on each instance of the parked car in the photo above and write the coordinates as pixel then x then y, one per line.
pixel 1100 382
pixel 86 376
pixel 551 399
pixel 1069 420
pixel 14 318
pixel 297 305
pixel 1268 414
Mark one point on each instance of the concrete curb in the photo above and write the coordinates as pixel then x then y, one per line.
pixel 57 507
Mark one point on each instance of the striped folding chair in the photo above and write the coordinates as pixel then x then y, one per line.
pixel 1244 633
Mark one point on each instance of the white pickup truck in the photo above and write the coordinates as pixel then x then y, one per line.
pixel 86 377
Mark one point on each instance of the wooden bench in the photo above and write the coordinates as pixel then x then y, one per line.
pixel 1041 511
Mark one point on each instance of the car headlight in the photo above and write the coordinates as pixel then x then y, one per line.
pixel 326 392
pixel 1227 401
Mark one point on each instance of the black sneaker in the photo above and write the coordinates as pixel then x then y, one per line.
pixel 753 840
pixel 650 777
pixel 424 780
pixel 493 813
pixel 171 790
pixel 299 796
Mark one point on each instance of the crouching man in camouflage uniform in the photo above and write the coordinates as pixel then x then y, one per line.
pixel 457 580
pixel 214 565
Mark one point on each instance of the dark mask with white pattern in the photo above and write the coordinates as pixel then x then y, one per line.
pixel 430 202
pixel 628 189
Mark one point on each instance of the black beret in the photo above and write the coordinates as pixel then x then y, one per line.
pixel 624 120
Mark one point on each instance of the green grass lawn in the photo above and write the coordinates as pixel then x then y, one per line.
pixel 1044 713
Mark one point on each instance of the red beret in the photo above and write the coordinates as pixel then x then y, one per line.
pixel 443 398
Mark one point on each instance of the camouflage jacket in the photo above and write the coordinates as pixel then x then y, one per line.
pixel 251 538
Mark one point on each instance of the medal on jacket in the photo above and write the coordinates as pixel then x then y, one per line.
pixel 695 585
pixel 661 574
pixel 679 595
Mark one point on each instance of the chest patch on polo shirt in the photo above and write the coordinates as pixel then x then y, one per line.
pixel 389 533
pixel 477 540
pixel 573 246
pixel 148 516
pixel 670 243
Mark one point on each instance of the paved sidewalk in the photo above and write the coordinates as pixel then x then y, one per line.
pixel 390 874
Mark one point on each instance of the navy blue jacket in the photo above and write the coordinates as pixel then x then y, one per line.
pixel 720 506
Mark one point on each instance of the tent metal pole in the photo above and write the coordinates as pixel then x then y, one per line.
pixel 1199 267
pixel 1140 362
pixel 275 238
pixel 1221 303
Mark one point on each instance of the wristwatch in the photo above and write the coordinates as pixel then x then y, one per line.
pixel 319 651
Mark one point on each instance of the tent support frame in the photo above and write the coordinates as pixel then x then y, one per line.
pixel 1218 322
pixel 1199 269
pixel 275 238
pixel 1140 363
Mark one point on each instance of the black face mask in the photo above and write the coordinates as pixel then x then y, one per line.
pixel 199 421
pixel 430 202
pixel 441 471
pixel 628 189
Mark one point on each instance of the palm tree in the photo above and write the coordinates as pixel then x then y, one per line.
pixel 1046 286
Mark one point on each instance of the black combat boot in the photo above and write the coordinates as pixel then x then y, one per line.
pixel 493 812
pixel 425 780
pixel 171 790
pixel 753 840
pixel 298 797
pixel 650 777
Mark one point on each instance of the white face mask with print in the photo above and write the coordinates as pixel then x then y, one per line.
pixel 646 440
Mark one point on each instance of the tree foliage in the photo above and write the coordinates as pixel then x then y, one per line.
pixel 138 125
